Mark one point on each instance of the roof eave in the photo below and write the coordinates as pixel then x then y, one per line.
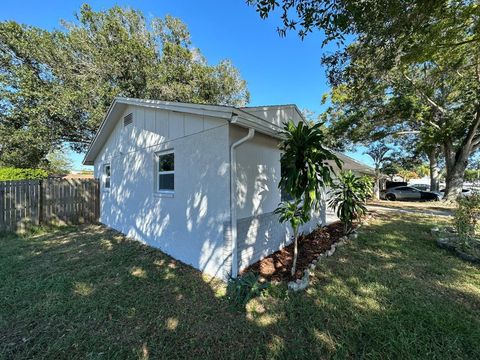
pixel 223 112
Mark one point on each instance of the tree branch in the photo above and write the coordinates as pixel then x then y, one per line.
pixel 430 100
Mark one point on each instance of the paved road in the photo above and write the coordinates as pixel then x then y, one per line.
pixel 409 211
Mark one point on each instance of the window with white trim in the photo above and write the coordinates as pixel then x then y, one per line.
pixel 165 171
pixel 106 176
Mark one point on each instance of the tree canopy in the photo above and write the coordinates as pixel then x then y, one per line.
pixel 56 85
pixel 409 67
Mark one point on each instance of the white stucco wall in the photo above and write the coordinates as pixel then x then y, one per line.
pixel 258 173
pixel 190 225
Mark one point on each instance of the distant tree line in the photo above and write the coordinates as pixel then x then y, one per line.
pixel 55 86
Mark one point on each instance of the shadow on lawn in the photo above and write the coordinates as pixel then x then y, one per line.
pixel 89 293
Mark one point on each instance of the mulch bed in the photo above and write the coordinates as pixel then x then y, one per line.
pixel 277 266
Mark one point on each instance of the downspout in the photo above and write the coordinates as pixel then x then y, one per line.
pixel 233 198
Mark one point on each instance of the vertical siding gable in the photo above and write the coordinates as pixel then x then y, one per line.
pixel 176 125
pixel 211 122
pixel 193 123
pixel 161 123
pixel 152 126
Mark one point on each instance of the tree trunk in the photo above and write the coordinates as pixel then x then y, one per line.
pixel 434 170
pixel 457 160
pixel 376 188
pixel 295 251
pixel 456 164
pixel 454 181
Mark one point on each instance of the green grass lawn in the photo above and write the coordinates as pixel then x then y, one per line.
pixel 87 293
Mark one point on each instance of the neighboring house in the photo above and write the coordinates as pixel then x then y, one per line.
pixel 167 180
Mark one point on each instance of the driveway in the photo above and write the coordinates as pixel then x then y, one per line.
pixel 397 210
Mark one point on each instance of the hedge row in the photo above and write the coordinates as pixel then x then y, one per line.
pixel 10 173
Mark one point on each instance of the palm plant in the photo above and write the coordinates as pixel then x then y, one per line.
pixel 348 196
pixel 367 186
pixel 293 213
pixel 306 170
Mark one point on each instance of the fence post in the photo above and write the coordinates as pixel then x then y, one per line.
pixel 40 202
pixel 97 200
pixel 2 204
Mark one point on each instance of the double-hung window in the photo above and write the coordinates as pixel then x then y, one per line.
pixel 165 172
pixel 106 176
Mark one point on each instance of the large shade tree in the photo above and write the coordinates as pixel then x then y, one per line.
pixel 427 49
pixel 56 85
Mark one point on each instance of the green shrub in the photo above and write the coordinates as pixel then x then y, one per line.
pixel 366 187
pixel 244 288
pixel 348 197
pixel 10 173
pixel 466 216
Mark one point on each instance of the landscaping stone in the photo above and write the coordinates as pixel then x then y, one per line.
pixel 300 284
pixel 330 252
pixel 450 245
pixel 353 236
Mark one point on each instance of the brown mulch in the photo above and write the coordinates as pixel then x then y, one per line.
pixel 277 266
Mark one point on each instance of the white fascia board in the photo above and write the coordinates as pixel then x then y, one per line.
pixel 354 164
pixel 217 111
pixel 243 119
pixel 263 126
pixel 223 112
pixel 91 153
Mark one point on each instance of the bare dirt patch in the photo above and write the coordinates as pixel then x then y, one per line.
pixel 277 266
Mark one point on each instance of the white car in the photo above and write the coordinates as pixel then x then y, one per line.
pixel 465 192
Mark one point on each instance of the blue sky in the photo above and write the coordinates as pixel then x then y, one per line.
pixel 277 70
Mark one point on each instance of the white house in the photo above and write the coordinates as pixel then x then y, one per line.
pixel 199 182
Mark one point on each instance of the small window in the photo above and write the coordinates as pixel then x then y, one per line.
pixel 106 176
pixel 166 171
pixel 127 120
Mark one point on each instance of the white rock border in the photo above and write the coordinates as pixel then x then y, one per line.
pixel 304 282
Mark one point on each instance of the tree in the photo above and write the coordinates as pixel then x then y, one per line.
pixel 306 172
pixel 57 163
pixel 422 170
pixel 293 213
pixel 426 49
pixel 407 175
pixel 379 153
pixel 56 85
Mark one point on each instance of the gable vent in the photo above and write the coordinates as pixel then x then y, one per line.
pixel 127 120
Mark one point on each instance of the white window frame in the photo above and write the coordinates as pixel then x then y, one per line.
pixel 158 173
pixel 104 175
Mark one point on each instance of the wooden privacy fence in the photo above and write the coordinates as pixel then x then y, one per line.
pixel 49 202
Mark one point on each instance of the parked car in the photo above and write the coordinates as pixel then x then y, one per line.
pixel 422 187
pixel 465 192
pixel 410 193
